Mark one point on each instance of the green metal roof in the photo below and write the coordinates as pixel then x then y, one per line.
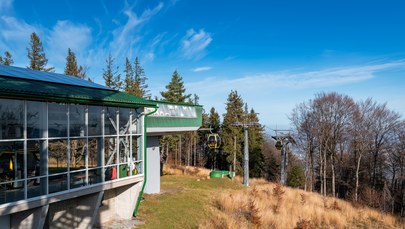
pixel 47 91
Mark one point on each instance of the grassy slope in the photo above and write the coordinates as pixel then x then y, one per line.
pixel 190 202
pixel 184 203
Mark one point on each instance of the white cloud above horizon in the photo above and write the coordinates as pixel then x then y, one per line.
pixel 64 35
pixel 286 89
pixel 298 80
pixel 194 44
pixel 201 69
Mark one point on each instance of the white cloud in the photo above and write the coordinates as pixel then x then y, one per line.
pixel 125 36
pixel 201 69
pixel 313 79
pixel 64 35
pixel 275 94
pixel 194 43
pixel 15 36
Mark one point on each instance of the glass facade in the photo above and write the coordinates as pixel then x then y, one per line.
pixel 49 147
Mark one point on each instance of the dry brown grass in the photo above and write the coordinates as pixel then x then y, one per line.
pixel 267 205
pixel 182 170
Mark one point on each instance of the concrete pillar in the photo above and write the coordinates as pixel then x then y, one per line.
pixel 77 213
pixel 153 165
pixel 126 200
pixel 33 218
pixel 5 221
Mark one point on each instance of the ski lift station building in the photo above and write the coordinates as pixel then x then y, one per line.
pixel 75 154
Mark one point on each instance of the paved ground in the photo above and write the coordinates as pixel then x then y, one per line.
pixel 118 224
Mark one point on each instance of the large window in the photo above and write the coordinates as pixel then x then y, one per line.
pixel 47 148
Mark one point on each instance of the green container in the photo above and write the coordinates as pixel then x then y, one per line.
pixel 123 171
pixel 220 174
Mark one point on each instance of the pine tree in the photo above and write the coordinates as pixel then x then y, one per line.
pixel 140 80
pixel 135 80
pixel 71 66
pixel 213 120
pixel 129 77
pixel 256 141
pixel 37 56
pixel 175 90
pixel 7 59
pixel 234 113
pixel 110 74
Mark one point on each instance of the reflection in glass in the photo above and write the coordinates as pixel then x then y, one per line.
pixel 11 192
pixel 37 165
pixel 57 183
pixel 124 121
pixel 34 151
pixel 94 116
pixel 95 176
pixel 95 153
pixel 124 150
pixel 11 119
pixel 57 120
pixel 12 162
pixel 57 159
pixel 77 120
pixel 110 120
pixel 78 179
pixel 77 154
pixel 110 158
pixel 36 119
pixel 110 151
pixel 136 155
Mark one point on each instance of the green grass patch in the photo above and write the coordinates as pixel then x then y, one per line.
pixel 183 203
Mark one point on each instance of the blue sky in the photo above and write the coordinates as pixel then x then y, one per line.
pixel 276 54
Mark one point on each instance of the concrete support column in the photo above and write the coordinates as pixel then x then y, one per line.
pixel 5 221
pixel 126 200
pixel 153 165
pixel 33 218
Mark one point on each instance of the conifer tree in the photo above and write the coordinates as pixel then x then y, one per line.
pixel 135 79
pixel 36 55
pixel 234 113
pixel 110 74
pixel 213 120
pixel 129 77
pixel 7 59
pixel 175 90
pixel 71 66
pixel 256 141
pixel 140 80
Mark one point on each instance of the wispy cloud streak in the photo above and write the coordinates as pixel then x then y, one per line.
pixel 201 69
pixel 313 79
pixel 194 44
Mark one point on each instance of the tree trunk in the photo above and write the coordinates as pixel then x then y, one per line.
pixel 180 151
pixel 324 172
pixel 333 174
pixel 321 171
pixel 167 152
pixel 356 188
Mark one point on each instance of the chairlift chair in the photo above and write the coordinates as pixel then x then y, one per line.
pixel 213 141
pixel 279 145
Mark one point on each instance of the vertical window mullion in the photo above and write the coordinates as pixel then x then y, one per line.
pixel 68 146
pixel 47 148
pixel 102 150
pixel 25 151
pixel 117 161
pixel 130 144
pixel 87 143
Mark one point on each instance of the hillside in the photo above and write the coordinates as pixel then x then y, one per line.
pixel 190 200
